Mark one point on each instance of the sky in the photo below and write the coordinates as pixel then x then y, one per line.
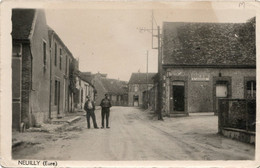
pixel 109 41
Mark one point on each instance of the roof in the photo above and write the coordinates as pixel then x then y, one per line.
pixel 22 23
pixel 209 43
pixel 85 78
pixel 114 86
pixel 56 36
pixel 140 78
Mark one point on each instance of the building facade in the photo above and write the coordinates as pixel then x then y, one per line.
pixel 116 89
pixel 61 62
pixel 41 65
pixel 138 83
pixel 30 67
pixel 206 61
pixel 84 88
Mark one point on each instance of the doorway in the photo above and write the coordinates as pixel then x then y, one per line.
pixel 178 90
pixel 136 100
pixel 221 89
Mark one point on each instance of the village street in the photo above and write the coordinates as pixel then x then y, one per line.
pixel 136 134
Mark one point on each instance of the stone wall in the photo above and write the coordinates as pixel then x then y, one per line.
pixel 237 119
pixel 200 93
pixel 40 82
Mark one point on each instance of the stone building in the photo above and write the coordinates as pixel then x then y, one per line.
pixel 138 83
pixel 205 61
pixel 60 67
pixel 84 88
pixel 41 65
pixel 30 67
pixel 115 88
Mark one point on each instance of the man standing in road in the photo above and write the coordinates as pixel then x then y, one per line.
pixel 105 105
pixel 89 107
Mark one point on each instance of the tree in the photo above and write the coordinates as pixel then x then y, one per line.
pixel 73 72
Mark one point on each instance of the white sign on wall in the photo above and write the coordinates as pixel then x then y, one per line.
pixel 200 77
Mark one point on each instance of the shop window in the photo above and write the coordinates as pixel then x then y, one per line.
pixel 221 89
pixel 251 89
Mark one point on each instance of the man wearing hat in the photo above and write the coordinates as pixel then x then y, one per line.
pixel 89 107
pixel 105 105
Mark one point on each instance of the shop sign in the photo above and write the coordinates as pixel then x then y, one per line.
pixel 200 77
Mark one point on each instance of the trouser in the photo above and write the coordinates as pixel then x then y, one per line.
pixel 105 113
pixel 91 114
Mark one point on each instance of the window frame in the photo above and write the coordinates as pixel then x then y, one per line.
pixel 55 54
pixel 60 65
pixel 44 47
pixel 246 80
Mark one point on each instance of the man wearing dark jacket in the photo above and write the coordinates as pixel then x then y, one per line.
pixel 89 107
pixel 105 105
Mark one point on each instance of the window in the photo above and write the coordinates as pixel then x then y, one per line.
pixel 55 52
pixel 44 54
pixel 81 100
pixel 60 58
pixel 221 90
pixel 66 66
pixel 56 93
pixel 87 90
pixel 251 89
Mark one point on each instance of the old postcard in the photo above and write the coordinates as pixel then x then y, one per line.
pixel 129 83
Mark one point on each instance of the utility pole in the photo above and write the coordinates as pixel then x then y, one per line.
pixel 147 84
pixel 159 98
pixel 159 86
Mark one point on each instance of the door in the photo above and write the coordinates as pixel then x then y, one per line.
pixel 221 92
pixel 178 96
pixel 58 108
pixel 136 100
pixel 64 95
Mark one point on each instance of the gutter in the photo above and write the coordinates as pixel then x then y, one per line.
pixel 208 66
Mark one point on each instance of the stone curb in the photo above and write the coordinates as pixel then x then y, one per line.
pixel 73 120
pixel 17 143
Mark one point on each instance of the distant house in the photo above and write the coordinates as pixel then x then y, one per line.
pixel 30 67
pixel 116 89
pixel 138 83
pixel 84 88
pixel 205 61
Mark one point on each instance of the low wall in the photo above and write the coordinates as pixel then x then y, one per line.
pixel 237 118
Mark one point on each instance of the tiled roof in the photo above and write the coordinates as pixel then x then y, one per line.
pixel 209 43
pixel 140 78
pixel 56 36
pixel 114 86
pixel 87 75
pixel 22 22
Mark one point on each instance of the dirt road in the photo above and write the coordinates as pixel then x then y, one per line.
pixel 136 135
